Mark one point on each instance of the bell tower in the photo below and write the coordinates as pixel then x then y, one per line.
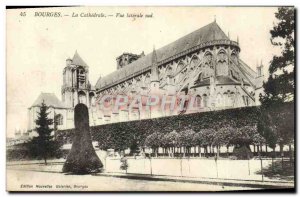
pixel 76 86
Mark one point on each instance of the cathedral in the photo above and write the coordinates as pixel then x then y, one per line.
pixel 204 64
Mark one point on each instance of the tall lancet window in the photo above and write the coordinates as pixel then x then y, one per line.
pixel 234 57
pixel 226 102
pixel 82 97
pixel 81 78
pixel 194 63
pixel 220 101
pixel 198 102
pixel 207 67
pixel 205 100
pixel 92 99
pixel 222 67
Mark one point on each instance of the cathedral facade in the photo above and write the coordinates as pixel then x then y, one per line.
pixel 204 65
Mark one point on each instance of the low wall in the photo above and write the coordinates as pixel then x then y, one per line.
pixel 192 167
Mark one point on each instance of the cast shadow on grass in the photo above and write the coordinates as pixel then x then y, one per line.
pixel 282 170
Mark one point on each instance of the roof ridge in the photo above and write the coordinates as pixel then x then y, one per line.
pixel 49 98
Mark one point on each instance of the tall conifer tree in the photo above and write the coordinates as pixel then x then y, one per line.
pixel 44 145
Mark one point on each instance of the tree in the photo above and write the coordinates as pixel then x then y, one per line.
pixel 154 141
pixel 277 126
pixel 198 141
pixel 208 137
pixel 258 140
pixel 134 148
pixel 185 140
pixel 44 145
pixel 170 140
pixel 280 86
pixel 223 137
pixel 242 136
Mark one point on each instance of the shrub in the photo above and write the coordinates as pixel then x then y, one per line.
pixel 242 153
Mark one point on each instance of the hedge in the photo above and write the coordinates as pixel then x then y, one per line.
pixel 121 135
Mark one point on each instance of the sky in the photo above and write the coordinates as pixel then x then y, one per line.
pixel 37 47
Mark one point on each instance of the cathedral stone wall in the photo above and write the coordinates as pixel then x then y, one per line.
pixel 212 74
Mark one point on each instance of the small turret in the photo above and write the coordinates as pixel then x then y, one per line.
pixel 127 58
pixel 259 70
pixel 68 62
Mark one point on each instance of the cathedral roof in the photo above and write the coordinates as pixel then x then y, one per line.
pixel 224 80
pixel 207 33
pixel 77 60
pixel 50 100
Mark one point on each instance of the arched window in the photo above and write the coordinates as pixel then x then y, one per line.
pixel 221 56
pixel 147 81
pixel 220 102
pixel 182 74
pixel 92 99
pixel 205 100
pixel 225 97
pixel 198 101
pixel 81 77
pixel 234 56
pixel 194 62
pixel 81 97
pixel 179 67
pixel 222 67
pixel 169 71
pixel 207 67
pixel 246 100
pixel 208 58
pixel 231 99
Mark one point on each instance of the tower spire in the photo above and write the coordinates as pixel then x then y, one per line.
pixel 154 70
pixel 154 56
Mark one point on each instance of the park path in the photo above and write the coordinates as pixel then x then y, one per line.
pixel 55 167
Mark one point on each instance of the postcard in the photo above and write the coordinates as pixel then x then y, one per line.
pixel 150 99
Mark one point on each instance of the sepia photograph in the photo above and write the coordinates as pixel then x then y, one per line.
pixel 150 99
